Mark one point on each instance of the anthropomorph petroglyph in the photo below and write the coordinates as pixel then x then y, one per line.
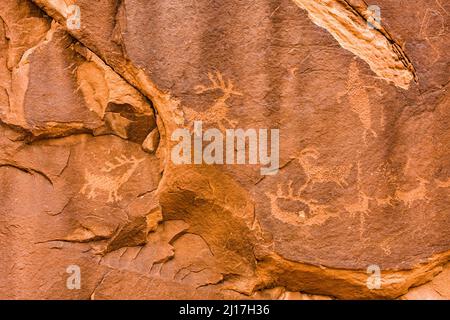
pixel 217 113
pixel 360 207
pixel 358 98
pixel 108 182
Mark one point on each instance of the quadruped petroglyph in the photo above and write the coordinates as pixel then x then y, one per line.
pixel 111 179
pixel 218 112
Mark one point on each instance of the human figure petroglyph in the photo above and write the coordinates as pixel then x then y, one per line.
pixel 358 97
pixel 110 183
pixel 218 112
pixel 361 206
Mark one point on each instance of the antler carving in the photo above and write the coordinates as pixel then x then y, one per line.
pixel 121 161
pixel 217 83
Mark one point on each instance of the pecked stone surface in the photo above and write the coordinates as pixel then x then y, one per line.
pixel 88 114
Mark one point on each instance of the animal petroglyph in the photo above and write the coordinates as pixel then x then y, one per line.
pixel 443 184
pixel 293 208
pixel 358 98
pixel 417 194
pixel 361 206
pixel 108 182
pixel 318 174
pixel 218 112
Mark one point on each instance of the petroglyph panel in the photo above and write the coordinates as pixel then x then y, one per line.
pixel 360 99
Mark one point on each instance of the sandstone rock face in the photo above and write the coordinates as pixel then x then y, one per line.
pixel 93 205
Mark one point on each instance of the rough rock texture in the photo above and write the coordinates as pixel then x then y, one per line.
pixel 86 178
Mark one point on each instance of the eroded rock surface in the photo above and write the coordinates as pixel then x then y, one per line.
pixel 87 118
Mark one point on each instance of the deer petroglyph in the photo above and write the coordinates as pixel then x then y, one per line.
pixel 218 112
pixel 107 182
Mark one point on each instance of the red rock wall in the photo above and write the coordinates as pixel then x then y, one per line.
pixel 93 94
